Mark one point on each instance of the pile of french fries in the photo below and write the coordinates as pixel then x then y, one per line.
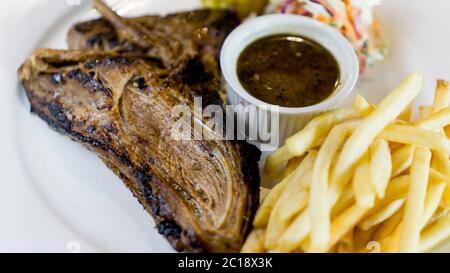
pixel 366 179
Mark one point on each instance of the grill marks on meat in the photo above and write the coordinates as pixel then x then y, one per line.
pixel 197 34
pixel 171 40
pixel 202 194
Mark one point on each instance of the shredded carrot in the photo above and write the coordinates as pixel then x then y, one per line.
pixel 346 17
pixel 322 18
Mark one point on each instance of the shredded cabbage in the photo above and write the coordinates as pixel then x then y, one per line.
pixel 353 18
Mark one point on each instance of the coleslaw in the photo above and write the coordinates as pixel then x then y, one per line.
pixel 353 18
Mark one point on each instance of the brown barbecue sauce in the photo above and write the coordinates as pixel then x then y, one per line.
pixel 287 70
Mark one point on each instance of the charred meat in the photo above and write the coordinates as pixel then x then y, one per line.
pixel 172 40
pixel 114 93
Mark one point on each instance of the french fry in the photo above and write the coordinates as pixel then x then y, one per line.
pixel 346 199
pixel 435 121
pixel 318 203
pixel 302 141
pixel 443 165
pixel 341 225
pixel 263 192
pixel 362 106
pixel 341 247
pixel 296 233
pixel 278 222
pixel 395 146
pixel 440 214
pixel 364 193
pixel 381 215
pixel 292 201
pixel 442 162
pixel 298 180
pixel 393 243
pixel 273 178
pixel 275 160
pixel 425 111
pixel 380 166
pixel 384 243
pixel 414 207
pixel 446 198
pixel 292 165
pixel 397 189
pixel 399 196
pixel 254 242
pixel 432 200
pixel 416 136
pixel 319 126
pixel 447 131
pixel 362 237
pixel 402 159
pixel 388 227
pixel 435 234
pixel 441 96
pixel 406 114
pixel 345 245
pixel 438 176
pixel 362 137
pixel 264 210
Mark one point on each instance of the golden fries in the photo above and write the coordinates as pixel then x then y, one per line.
pixel 363 107
pixel 343 224
pixel 296 233
pixel 381 215
pixel 380 166
pixel 402 159
pixel 254 242
pixel 406 114
pixel 416 136
pixel 265 209
pixel 441 96
pixel 319 213
pixel 364 192
pixel 435 234
pixel 388 227
pixel 436 120
pixel 414 207
pixel 299 143
pixel 399 196
pixel 434 196
pixel 425 111
pixel 385 113
pixel 362 238
pixel 292 201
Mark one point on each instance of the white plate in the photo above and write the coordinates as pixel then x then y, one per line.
pixel 56 196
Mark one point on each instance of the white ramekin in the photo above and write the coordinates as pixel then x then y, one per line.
pixel 291 120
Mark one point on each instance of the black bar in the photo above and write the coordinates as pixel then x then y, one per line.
pixel 168 263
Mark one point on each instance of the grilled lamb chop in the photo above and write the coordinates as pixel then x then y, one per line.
pixel 172 40
pixel 202 193
pixel 118 103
